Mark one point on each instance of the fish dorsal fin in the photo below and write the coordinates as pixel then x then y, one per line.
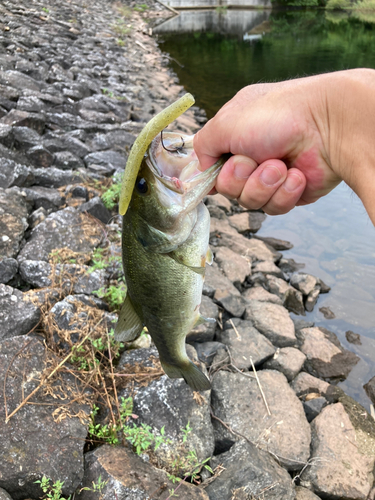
pixel 129 325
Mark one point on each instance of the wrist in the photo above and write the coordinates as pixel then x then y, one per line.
pixel 350 125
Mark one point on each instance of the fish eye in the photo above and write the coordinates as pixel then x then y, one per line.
pixel 141 186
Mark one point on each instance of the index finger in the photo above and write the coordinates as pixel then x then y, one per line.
pixel 210 143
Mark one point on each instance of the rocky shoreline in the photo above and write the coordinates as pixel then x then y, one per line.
pixel 78 80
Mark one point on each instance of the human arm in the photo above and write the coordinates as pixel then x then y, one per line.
pixel 307 134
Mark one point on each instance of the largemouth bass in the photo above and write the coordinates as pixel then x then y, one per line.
pixel 165 250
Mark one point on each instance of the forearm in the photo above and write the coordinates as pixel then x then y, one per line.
pixel 351 131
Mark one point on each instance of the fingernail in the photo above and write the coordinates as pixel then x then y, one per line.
pixel 243 170
pixel 270 175
pixel 292 182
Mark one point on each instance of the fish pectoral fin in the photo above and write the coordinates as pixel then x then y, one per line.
pixel 196 269
pixel 129 325
pixel 192 375
pixel 201 319
pixel 209 257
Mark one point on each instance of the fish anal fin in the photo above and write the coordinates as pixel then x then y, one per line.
pixel 192 375
pixel 129 325
pixel 201 319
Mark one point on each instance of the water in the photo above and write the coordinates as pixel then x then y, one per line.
pixel 221 51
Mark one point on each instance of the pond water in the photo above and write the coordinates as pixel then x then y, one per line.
pixel 216 53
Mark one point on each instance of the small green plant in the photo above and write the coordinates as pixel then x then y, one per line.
pixel 44 9
pixel 111 196
pixel 124 11
pixel 120 42
pixel 96 487
pixel 142 7
pixel 142 437
pixel 101 261
pixel 78 358
pixel 52 491
pixel 107 92
pixel 114 295
pixel 121 28
pixel 107 433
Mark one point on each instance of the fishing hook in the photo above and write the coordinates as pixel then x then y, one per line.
pixel 178 149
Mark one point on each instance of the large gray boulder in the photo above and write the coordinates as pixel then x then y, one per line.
pixel 273 321
pixel 343 454
pixel 65 228
pixel 238 402
pixel 325 357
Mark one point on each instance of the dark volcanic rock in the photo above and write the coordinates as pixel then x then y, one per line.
pixel 287 360
pixel 247 222
pixel 8 269
pixel 14 174
pixel 54 177
pixel 273 321
pixel 66 228
pixel 19 80
pixel 96 208
pixel 17 118
pixel 33 443
pixel 245 343
pixel 40 156
pixel 370 389
pixel 326 358
pixel 4 495
pixel 235 267
pixel 13 221
pixel 249 473
pixel 48 198
pixel 67 161
pixel 205 331
pixel 132 478
pixel 110 160
pixel 171 404
pixel 313 407
pixel 111 140
pixel 18 315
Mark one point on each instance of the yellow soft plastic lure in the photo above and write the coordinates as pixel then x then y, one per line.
pixel 150 131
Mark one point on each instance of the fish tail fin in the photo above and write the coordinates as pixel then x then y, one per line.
pixel 192 375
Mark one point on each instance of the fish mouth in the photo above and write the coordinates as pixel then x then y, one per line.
pixel 172 159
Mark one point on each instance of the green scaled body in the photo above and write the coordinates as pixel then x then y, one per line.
pixel 165 249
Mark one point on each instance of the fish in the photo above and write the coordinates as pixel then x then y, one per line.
pixel 165 246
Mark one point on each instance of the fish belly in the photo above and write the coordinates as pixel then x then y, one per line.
pixel 166 289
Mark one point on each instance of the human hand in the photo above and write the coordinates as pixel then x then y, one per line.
pixel 280 136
